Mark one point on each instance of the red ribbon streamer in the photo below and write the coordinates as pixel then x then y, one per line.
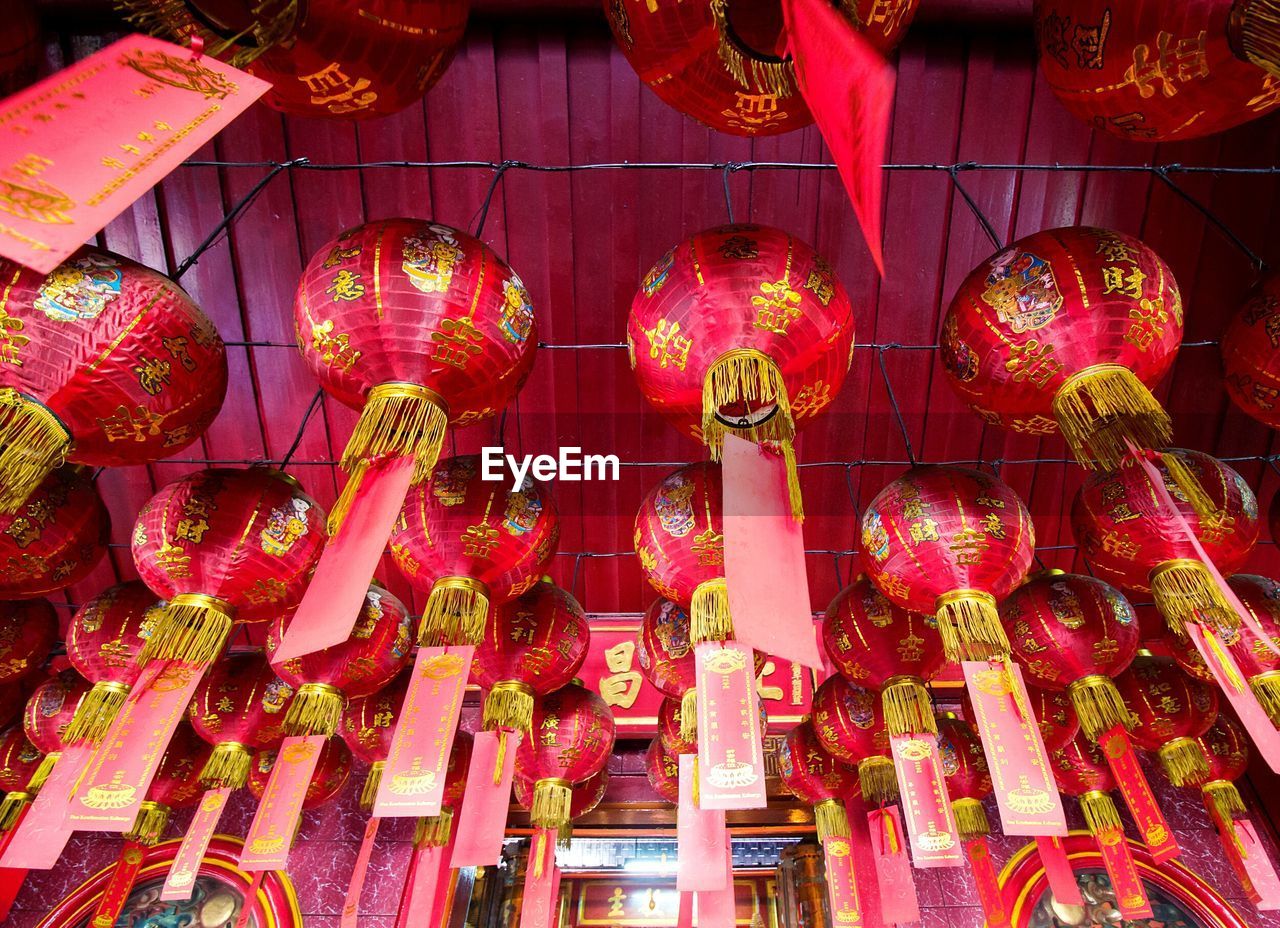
pixel 1152 826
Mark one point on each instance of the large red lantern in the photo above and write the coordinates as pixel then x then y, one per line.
pixel 471 543
pixel 952 542
pixel 1225 748
pixel 1056 717
pixel 49 710
pixel 324 58
pixel 104 639
pixel 28 631
pixel 1170 711
pixel 677 736
pixel 1251 353
pixel 109 363
pixel 849 724
pixel 331 774
pixel 1068 330
pixel 877 644
pixel 368 724
pixel 377 649
pixel 532 646
pixel 217 541
pixel 815 777
pixel 55 538
pixel 19 760
pixel 964 764
pixel 664 650
pixel 661 766
pixel 1074 633
pixel 573 732
pixel 1128 542
pixel 718 62
pixel 1164 70
pixel 745 330
pixel 586 796
pixel 175 786
pixel 239 708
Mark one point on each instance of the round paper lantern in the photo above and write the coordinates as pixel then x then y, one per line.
pixel 176 786
pixel 1074 633
pixel 471 542
pixel 1251 353
pixel 586 796
pixel 238 708
pixel 664 651
pixel 742 329
pixel 849 724
pixel 968 780
pixel 28 631
pixel 1170 711
pixel 368 724
pixel 55 539
pixel 662 767
pixel 1068 330
pixel 109 363
pixel 376 650
pixel 815 777
pixel 331 773
pixel 573 737
pixel 1162 71
pixel 104 639
pixel 950 541
pixel 1256 655
pixel 49 710
pixel 324 58
pixel 718 62
pixel 1081 771
pixel 220 540
pixel 1225 747
pixel 877 644
pixel 532 646
pixel 677 737
pixel 435 830
pixel 1129 543
pixel 19 760
pixel 1056 716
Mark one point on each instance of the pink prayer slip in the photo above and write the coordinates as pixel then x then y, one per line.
pixel 482 820
pixel 186 864
pixel 842 885
pixel 266 846
pixel 538 908
pixel 1258 865
pixel 1058 871
pixel 718 908
pixel 38 840
pixel 731 772
pixel 931 824
pixel 898 902
pixel 700 837
pixel 250 899
pixel 351 906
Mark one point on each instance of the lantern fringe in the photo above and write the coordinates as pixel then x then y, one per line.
pixel 172 19
pixel 148 828
pixel 878 780
pixel 500 758
pixel 689 716
pixel 227 767
pixel 192 628
pixel 1100 813
pixel 434 830
pixel 372 780
pixel 971 819
pixel 1184 591
pixel 908 709
pixel 97 710
pixel 33 443
pixel 1258 31
pixel 1227 665
pixel 1266 688
pixel 552 800
pixel 969 623
pixel 509 705
pixel 775 77
pixel 748 376
pixel 709 618
pixel 456 611
pixel 1189 485
pixel 1183 761
pixel 11 808
pixel 316 710
pixel 564 836
pixel 42 772
pixel 831 819
pixel 1225 799
pixel 1101 408
pixel 1099 705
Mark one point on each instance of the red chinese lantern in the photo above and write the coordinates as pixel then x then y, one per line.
pixel 573 732
pixel 28 631
pixel 49 710
pixel 664 650
pixel 1074 633
pixel 104 639
pixel 952 542
pixel 849 724
pixel 330 776
pixel 586 796
pixel 815 777
pixel 217 541
pixel 532 646
pixel 719 62
pixel 741 329
pixel 1068 330
pixel 472 542
pixel 877 644
pixel 238 708
pixel 662 767
pixel 1056 717
pixel 968 780
pixel 176 786
pixel 1170 711
pixel 1254 654
pixel 1251 353
pixel 1225 748
pixel 19 760
pixel 1081 771
pixel 55 538
pixel 1128 542
pixel 109 363
pixel 325 58
pixel 368 724
pixel 1161 71
pixel 677 737
pixel 376 650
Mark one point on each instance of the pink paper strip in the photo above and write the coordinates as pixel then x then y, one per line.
pixel 764 564
pixel 700 837
pixel 425 867
pixel 413 781
pixel 898 902
pixel 931 823
pixel 81 145
pixel 1021 777
pixel 266 846
pixel 718 908
pixel 443 890
pixel 1252 716
pixel 351 907
pixel 1259 866
pixel 864 871
pixel 1147 814
pixel 731 772
pixel 684 916
pixel 842 886
pixel 538 908
pixel 117 777
pixel 39 839
pixel 482 820
pixel 1057 868
pixel 250 899
pixel 186 864
pixel 335 595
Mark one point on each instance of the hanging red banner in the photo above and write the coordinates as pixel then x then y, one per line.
pixel 898 902
pixel 481 822
pixel 731 772
pixel 842 887
pixel 266 846
pixel 120 886
pixel 1131 897
pixel 987 883
pixel 700 836
pixel 1057 869
pixel 1154 830
pixel 931 824
pixel 186 863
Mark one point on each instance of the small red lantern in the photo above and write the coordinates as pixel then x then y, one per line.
pixel 28 630
pixel 950 541
pixel 662 767
pixel 377 649
pixel 815 777
pixel 55 538
pixel 219 540
pixel 1251 353
pixel 1128 542
pixel 110 363
pixel 49 710
pixel 104 639
pixel 964 764
pixel 1056 716
pixel 664 650
pixel 19 760
pixel 238 708
pixel 849 724
pixel 472 542
pixel 1161 71
pixel 1226 752
pixel 368 724
pixel 677 737
pixel 1170 711
pixel 745 330
pixel 330 776
pixel 1254 654
pixel 1082 772
pixel 573 737
pixel 1074 633
pixel 176 786
pixel 532 646
pixel 586 796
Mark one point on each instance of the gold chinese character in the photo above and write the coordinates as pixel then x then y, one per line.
pixel 1032 361
pixel 479 540
pixel 138 425
pixel 1115 279
pixel 762 689
pixel 968 546
pixel 456 342
pixel 174 561
pixel 10 341
pixel 1175 62
pixel 345 286
pixel 1147 321
pixel 667 345
pixel 337 92
pixel 924 530
pixel 177 348
pixel 776 306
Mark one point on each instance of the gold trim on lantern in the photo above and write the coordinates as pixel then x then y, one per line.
pixel 455 614
pixel 316 710
pixel 969 623
pixel 11 808
pixel 43 770
pixel 689 716
pixel 1183 761
pixel 908 709
pixel 372 780
pixel 753 72
pixel 191 627
pixel 97 710
pixel 148 828
pixel 509 705
pixel 1266 688
pixel 709 618
pixel 878 779
pixel 434 830
pixel 552 801
pixel 831 819
pixel 971 819
pixel 227 767
pixel 1225 799
pixel 1184 591
pixel 33 443
pixel 1104 406
pixel 1100 812
pixel 1254 30
pixel 1099 705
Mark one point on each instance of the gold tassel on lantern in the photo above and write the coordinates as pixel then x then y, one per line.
pixel 1225 799
pixel 969 624
pixel 1103 407
pixel 1255 28
pixel 434 830
pixel 509 705
pixel 33 443
pixel 1266 687
pixel 96 712
pixel 831 819
pixel 227 767
pixel 1183 761
pixel 316 710
pixel 1184 591
pixel 552 800
pixel 709 618
pixel 148 828
pixel 689 715
pixel 1100 813
pixel 42 771
pixel 191 627
pixel 456 611
pixel 971 819
pixel 372 780
pixel 564 836
pixel 752 74
pixel 1188 484
pixel 878 780
pixel 908 710
pixel 11 807
pixel 1099 705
